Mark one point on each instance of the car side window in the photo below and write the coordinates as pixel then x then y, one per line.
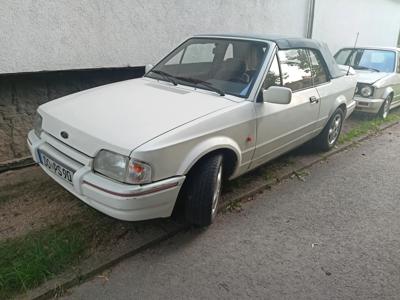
pixel 296 69
pixel 273 77
pixel 318 71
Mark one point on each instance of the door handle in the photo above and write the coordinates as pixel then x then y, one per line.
pixel 314 99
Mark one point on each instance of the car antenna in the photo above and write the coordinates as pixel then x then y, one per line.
pixel 354 48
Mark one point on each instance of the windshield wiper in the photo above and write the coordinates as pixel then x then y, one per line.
pixel 202 82
pixel 365 68
pixel 166 76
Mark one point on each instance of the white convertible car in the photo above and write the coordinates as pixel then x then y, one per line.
pixel 216 107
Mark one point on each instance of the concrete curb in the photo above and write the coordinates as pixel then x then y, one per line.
pixel 16 164
pixel 61 284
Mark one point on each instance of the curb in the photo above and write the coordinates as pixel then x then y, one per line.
pixel 59 288
pixel 16 164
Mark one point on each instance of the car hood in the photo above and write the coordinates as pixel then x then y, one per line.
pixel 124 115
pixel 370 77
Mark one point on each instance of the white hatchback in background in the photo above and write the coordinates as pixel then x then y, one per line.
pixel 216 107
pixel 378 68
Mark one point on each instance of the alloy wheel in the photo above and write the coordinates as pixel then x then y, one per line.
pixel 217 193
pixel 334 130
pixel 386 108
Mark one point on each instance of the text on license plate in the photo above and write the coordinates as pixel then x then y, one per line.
pixel 56 168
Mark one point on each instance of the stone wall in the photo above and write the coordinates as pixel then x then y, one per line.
pixel 20 95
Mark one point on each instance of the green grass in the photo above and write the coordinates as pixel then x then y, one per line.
pixel 27 261
pixel 366 127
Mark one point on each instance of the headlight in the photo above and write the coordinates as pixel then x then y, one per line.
pixel 121 168
pixel 37 124
pixel 366 91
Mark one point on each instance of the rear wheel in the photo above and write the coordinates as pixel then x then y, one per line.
pixel 385 108
pixel 203 190
pixel 328 138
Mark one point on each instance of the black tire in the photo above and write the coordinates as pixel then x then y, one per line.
pixel 201 188
pixel 385 108
pixel 325 141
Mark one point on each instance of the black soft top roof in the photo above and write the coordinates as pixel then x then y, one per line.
pixel 285 42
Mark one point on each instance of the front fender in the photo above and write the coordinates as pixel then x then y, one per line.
pixel 386 92
pixel 207 146
pixel 340 100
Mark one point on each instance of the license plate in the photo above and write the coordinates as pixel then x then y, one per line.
pixel 55 167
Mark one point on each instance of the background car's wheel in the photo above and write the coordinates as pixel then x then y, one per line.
pixel 203 191
pixel 328 138
pixel 385 108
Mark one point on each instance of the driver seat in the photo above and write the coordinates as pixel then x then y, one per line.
pixel 231 69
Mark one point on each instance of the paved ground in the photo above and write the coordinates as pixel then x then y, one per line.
pixel 334 236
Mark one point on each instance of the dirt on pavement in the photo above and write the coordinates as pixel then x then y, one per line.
pixel 30 200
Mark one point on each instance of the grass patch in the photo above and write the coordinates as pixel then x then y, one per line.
pixel 27 261
pixel 366 127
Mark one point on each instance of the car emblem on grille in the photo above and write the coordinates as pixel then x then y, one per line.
pixel 64 134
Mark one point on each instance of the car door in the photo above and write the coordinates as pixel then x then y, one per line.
pixel 326 90
pixel 281 127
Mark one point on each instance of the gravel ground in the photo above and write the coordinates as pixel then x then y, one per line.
pixel 334 236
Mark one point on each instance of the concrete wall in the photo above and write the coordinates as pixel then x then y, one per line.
pixel 337 22
pixel 41 35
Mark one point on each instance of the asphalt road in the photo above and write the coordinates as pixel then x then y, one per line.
pixel 334 236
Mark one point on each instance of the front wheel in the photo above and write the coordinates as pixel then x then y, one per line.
pixel 385 108
pixel 203 191
pixel 328 138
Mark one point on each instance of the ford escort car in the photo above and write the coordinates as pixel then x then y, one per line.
pixel 214 108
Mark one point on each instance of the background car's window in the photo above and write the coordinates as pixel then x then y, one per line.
pixel 380 60
pixel 296 70
pixel 273 76
pixel 367 59
pixel 198 53
pixel 342 56
pixel 318 71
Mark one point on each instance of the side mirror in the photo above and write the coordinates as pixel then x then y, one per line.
pixel 277 95
pixel 147 68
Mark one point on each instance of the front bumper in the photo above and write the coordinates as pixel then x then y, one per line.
pixel 368 105
pixel 118 200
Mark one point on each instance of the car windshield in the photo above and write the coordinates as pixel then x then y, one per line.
pixel 367 59
pixel 225 66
